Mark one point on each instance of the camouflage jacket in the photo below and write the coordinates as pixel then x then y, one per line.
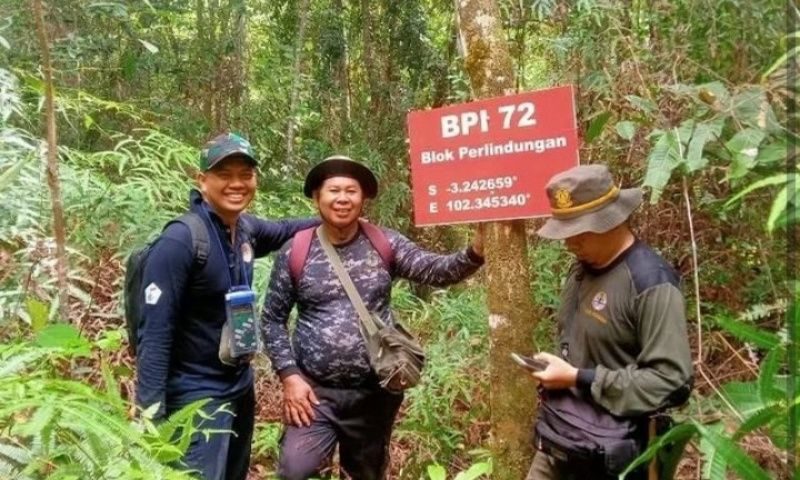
pixel 326 344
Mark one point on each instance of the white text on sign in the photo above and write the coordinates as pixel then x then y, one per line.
pixel 538 145
pixel 514 116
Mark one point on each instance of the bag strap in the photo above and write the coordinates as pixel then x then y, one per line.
pixel 380 243
pixel 366 319
pixel 301 244
pixel 570 320
pixel 201 243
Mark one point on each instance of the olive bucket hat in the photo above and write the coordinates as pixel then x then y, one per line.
pixel 341 166
pixel 585 199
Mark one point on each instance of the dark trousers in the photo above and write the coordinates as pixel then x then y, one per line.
pixel 224 455
pixel 360 420
pixel 545 467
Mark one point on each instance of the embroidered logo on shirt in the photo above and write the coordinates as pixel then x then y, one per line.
pixel 600 301
pixel 151 294
pixel 247 252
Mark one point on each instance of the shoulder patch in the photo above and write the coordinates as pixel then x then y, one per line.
pixel 151 294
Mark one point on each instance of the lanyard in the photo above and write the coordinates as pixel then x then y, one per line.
pixel 230 268
pixel 569 322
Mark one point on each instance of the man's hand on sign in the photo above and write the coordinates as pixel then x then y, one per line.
pixel 297 399
pixel 477 239
pixel 558 374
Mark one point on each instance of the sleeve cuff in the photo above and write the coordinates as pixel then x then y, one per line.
pixel 474 257
pixel 585 379
pixel 288 371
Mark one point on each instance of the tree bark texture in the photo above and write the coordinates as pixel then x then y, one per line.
pixel 239 62
pixel 302 15
pixel 342 74
pixel 53 181
pixel 511 314
pixel 371 60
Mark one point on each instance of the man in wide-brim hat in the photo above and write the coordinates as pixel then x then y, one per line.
pixel 332 395
pixel 622 325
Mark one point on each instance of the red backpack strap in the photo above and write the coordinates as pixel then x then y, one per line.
pixel 301 244
pixel 379 241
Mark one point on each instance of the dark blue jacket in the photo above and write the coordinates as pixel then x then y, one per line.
pixel 184 310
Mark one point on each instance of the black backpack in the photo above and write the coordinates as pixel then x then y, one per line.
pixel 134 270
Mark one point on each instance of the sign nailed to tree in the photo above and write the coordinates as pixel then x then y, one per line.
pixel 490 159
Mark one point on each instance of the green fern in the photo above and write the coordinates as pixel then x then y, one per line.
pixel 669 447
pixel 768 388
pixel 715 463
pixel 728 455
pixel 763 311
pixel 761 404
pixel 748 333
pixel 58 428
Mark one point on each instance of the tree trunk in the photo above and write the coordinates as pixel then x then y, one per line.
pixel 205 88
pixel 511 314
pixel 342 74
pixel 370 60
pixel 53 181
pixel 302 13
pixel 240 63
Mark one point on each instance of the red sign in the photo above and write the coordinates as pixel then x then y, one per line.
pixel 490 159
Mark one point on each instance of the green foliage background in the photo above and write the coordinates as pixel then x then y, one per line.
pixel 687 98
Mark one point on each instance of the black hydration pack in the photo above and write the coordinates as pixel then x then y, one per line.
pixel 134 271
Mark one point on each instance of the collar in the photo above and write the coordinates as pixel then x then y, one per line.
pixel 619 259
pixel 200 206
pixel 358 234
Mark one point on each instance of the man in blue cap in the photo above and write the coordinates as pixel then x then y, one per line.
pixel 194 272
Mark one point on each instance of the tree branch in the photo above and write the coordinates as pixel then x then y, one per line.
pixel 59 227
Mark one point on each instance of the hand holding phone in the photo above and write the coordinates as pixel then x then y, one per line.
pixel 529 363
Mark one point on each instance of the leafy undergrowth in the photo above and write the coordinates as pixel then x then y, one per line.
pixel 57 425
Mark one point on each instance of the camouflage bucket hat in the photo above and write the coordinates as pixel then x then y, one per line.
pixel 585 199
pixel 223 146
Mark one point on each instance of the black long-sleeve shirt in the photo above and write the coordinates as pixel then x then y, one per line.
pixel 184 310
pixel 624 327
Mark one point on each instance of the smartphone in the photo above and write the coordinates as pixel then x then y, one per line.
pixel 530 363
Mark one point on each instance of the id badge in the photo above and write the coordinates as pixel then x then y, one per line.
pixel 241 317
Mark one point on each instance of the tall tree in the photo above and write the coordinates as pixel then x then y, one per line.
pixel 511 314
pixel 219 65
pixel 333 74
pixel 297 70
pixel 59 228
pixel 238 61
